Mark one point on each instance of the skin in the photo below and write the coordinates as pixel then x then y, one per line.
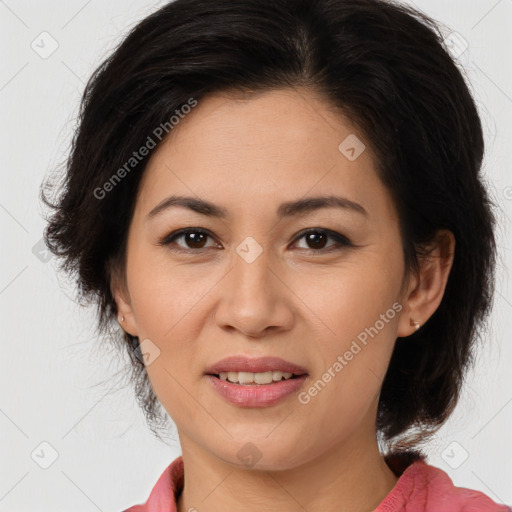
pixel 298 301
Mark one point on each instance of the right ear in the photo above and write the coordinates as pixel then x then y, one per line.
pixel 121 294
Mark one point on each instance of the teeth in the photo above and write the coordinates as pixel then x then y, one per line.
pixel 255 378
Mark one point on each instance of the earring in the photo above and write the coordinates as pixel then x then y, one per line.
pixel 414 323
pixel 121 319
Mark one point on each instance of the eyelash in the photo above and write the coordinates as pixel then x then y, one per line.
pixel 341 240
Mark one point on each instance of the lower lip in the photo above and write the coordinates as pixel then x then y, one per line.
pixel 257 395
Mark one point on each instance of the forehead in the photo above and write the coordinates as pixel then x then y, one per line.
pixel 265 147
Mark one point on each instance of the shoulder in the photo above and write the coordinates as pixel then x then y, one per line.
pixel 425 488
pixel 166 490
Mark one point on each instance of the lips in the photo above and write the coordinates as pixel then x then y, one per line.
pixel 254 365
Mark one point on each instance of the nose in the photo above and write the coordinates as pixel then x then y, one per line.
pixel 254 297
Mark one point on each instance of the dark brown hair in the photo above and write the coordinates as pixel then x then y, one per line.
pixel 385 66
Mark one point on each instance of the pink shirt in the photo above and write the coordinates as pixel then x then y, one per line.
pixel 420 488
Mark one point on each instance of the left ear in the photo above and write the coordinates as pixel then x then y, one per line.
pixel 426 288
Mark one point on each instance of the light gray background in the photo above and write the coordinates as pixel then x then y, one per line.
pixel 58 385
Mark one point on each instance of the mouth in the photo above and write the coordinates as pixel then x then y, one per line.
pixel 257 379
pixel 260 371
pixel 261 389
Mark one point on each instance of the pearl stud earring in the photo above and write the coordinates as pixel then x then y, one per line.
pixel 414 323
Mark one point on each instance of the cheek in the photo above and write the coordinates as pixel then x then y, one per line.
pixel 163 292
pixel 344 300
pixel 168 302
pixel 356 311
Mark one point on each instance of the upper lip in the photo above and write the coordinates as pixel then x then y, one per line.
pixel 254 365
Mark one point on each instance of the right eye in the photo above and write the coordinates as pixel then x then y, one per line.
pixel 193 238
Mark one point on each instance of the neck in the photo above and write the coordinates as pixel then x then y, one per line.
pixel 343 478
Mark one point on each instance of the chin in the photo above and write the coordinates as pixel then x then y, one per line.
pixel 263 455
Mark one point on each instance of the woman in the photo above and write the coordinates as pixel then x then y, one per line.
pixel 280 202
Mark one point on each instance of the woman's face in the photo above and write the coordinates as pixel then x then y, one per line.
pixel 257 284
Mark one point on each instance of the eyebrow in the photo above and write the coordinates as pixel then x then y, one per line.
pixel 287 209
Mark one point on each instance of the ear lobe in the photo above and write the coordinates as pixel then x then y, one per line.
pixel 427 288
pixel 120 292
pixel 125 311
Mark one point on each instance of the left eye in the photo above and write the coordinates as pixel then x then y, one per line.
pixel 318 237
pixel 195 238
